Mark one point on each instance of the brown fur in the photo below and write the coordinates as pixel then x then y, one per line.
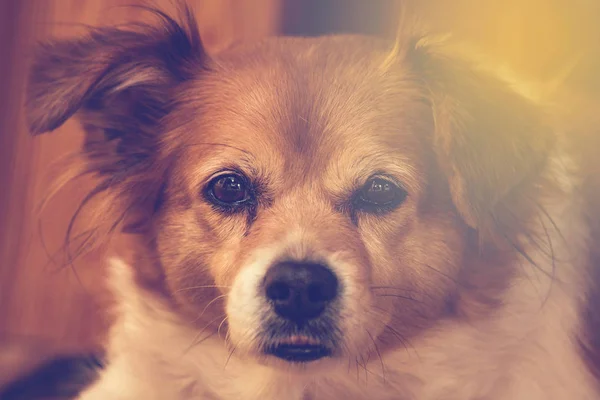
pixel 309 121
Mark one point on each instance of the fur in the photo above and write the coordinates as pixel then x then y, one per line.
pixel 475 286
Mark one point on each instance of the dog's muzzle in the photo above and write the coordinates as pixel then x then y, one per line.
pixel 302 296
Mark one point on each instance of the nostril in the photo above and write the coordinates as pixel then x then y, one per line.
pixel 278 291
pixel 300 291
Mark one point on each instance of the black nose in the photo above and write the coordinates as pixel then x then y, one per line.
pixel 300 291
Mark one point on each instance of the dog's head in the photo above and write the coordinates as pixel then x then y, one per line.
pixel 314 198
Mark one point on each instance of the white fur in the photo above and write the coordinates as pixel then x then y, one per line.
pixel 523 352
pixel 244 304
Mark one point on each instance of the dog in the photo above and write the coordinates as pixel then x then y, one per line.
pixel 331 217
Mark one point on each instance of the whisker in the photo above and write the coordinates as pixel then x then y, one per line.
pixel 202 287
pixel 208 305
pixel 193 344
pixel 378 354
pixel 443 274
pixel 394 288
pixel 403 340
pixel 229 356
pixel 409 292
pixel 364 367
pixel 399 297
pixel 199 342
pixel 220 325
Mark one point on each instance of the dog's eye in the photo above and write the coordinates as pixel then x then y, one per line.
pixel 379 194
pixel 229 189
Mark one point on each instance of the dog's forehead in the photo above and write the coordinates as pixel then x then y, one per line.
pixel 308 103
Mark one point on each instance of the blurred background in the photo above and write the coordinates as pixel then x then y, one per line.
pixel 47 309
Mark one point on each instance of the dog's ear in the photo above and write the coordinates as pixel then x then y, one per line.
pixel 491 141
pixel 119 83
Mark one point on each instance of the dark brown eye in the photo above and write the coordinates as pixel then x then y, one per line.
pixel 379 195
pixel 230 189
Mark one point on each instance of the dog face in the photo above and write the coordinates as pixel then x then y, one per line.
pixel 308 204
pixel 309 199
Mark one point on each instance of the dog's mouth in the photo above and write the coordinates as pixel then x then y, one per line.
pixel 299 349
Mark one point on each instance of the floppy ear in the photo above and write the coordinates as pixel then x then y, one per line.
pixel 490 141
pixel 120 83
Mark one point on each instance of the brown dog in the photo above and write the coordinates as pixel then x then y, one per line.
pixel 327 218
